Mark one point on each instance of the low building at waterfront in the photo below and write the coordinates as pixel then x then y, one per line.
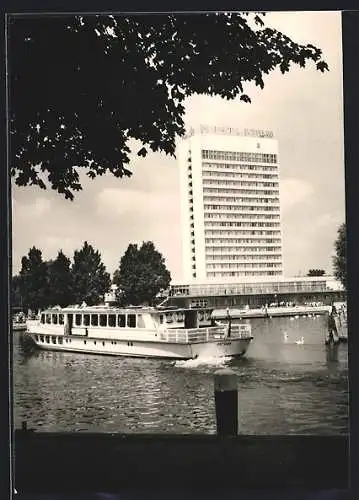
pixel 257 293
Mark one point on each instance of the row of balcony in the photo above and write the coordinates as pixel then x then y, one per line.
pixel 235 175
pixel 193 248
pixel 252 207
pixel 275 250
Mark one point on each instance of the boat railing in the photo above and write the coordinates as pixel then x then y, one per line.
pixel 205 334
pixel 241 331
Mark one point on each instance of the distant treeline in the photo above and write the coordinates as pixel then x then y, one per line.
pixel 141 275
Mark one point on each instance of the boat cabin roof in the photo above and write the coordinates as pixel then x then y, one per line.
pixel 99 310
pixel 120 310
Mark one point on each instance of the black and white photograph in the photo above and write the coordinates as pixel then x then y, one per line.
pixel 178 245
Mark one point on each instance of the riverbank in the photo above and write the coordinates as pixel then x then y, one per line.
pixel 84 462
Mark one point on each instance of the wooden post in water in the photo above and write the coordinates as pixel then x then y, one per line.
pixel 226 401
pixel 229 323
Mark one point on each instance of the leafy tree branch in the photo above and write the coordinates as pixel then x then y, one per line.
pixel 82 86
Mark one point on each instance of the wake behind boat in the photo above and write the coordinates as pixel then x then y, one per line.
pixel 139 332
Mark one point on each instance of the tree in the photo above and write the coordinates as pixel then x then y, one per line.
pixel 142 274
pixel 316 272
pixel 16 297
pixel 90 279
pixel 33 280
pixel 340 257
pixel 98 81
pixel 116 277
pixel 60 281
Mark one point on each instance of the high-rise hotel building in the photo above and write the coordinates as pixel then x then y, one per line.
pixel 230 205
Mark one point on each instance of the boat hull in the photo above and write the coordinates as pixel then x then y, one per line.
pixel 144 349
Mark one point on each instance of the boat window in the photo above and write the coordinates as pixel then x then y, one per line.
pixel 94 319
pixel 61 319
pixel 169 318
pixel 161 318
pixel 131 320
pixel 41 338
pixel 121 320
pixel 103 319
pixel 78 319
pixel 47 338
pixel 103 343
pixel 48 318
pixel 86 320
pixel 53 340
pixel 42 318
pixel 36 338
pixel 140 321
pixel 59 340
pixel 54 319
pixel 112 320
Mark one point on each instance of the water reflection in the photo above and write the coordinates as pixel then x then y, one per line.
pixel 283 387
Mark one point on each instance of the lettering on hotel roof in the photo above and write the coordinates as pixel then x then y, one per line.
pixel 247 132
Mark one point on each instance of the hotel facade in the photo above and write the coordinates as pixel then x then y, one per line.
pixel 230 205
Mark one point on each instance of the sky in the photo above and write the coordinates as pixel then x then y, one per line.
pixel 304 108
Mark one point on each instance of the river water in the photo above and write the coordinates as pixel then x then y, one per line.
pixel 284 388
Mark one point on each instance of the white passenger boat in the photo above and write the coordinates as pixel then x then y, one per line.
pixel 139 332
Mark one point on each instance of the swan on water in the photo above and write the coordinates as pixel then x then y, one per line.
pixel 300 341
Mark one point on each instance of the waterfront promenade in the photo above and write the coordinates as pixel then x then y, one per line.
pixel 271 312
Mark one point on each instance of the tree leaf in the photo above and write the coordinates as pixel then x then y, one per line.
pixel 245 98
